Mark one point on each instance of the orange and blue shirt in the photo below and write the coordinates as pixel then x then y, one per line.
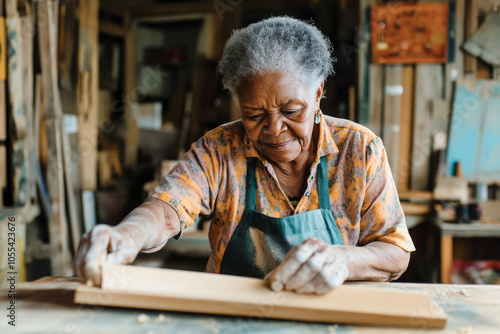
pixel 211 181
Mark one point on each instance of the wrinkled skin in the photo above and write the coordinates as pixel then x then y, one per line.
pixel 316 267
pixel 147 228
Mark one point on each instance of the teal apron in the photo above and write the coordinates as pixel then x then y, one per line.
pixel 259 242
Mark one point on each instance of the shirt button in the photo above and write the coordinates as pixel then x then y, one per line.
pixel 307 193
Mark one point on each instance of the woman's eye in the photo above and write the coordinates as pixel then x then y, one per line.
pixel 289 112
pixel 254 117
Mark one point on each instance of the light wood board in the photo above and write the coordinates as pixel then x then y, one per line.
pixel 48 11
pixel 393 90
pixel 176 290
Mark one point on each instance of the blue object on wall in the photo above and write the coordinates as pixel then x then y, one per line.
pixel 474 136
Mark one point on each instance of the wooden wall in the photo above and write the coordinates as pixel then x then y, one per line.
pixel 409 105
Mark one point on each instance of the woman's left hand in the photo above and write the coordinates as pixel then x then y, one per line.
pixel 311 267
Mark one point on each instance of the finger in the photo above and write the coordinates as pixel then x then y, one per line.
pixel 313 285
pixel 295 258
pixel 80 255
pixel 99 241
pixel 308 271
pixel 335 275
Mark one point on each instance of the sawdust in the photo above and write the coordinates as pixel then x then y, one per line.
pixel 212 325
pixel 143 318
pixel 161 318
pixel 465 293
pixel 332 329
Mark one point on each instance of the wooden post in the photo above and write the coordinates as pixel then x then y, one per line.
pixel 405 129
pixel 446 258
pixel 428 87
pixel 47 32
pixel 3 104
pixel 375 99
pixel 471 18
pixel 393 90
pixel 88 91
pixel 132 130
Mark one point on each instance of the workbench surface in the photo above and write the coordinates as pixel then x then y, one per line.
pixel 46 306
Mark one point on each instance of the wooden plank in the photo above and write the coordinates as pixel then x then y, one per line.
pixel 71 162
pixel 88 91
pixel 3 104
pixel 3 172
pixel 428 87
pixel 89 210
pixel 60 259
pixel 352 103
pixel 375 99
pixel 455 70
pixel 446 258
pixel 365 74
pixel 15 68
pixel 471 22
pixel 176 290
pixel 131 128
pixel 405 129
pixel 393 90
pixel 27 42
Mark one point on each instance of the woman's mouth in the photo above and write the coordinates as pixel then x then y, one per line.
pixel 280 146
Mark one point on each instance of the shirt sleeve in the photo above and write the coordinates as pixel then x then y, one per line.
pixel 382 217
pixel 191 186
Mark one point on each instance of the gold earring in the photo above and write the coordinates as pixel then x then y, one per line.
pixel 317 119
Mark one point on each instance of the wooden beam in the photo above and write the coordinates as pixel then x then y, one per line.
pixel 3 104
pixel 375 99
pixel 393 90
pixel 177 290
pixel 471 22
pixel 446 258
pixel 428 87
pixel 88 91
pixel 60 259
pixel 131 128
pixel 112 29
pixel 405 129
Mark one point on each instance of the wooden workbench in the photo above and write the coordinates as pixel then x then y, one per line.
pixel 450 231
pixel 46 306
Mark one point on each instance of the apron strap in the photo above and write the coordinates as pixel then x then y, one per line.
pixel 323 191
pixel 251 187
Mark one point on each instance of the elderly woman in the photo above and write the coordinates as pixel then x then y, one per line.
pixel 305 200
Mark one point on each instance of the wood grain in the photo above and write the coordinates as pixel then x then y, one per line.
pixel 428 87
pixel 392 115
pixel 176 290
pixel 405 129
pixel 48 12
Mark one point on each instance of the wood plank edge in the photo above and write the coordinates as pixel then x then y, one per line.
pixel 97 296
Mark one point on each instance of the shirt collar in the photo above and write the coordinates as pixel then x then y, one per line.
pixel 326 144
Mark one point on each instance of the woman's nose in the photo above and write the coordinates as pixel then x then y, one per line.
pixel 275 125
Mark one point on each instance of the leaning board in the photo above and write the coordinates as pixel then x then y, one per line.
pixel 176 290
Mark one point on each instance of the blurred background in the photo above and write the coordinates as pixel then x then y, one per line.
pixel 99 99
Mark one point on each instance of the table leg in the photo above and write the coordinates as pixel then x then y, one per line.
pixel 446 258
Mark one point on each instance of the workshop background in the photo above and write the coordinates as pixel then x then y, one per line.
pixel 98 99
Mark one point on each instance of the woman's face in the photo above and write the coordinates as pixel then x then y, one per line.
pixel 278 115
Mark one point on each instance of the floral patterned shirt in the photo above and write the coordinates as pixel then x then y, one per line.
pixel 211 181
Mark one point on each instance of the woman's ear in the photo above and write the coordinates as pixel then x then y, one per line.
pixel 319 93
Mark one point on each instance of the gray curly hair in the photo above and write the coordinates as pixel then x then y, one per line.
pixel 278 44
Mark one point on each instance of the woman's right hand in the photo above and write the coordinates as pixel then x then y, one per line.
pixel 104 244
pixel 147 228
